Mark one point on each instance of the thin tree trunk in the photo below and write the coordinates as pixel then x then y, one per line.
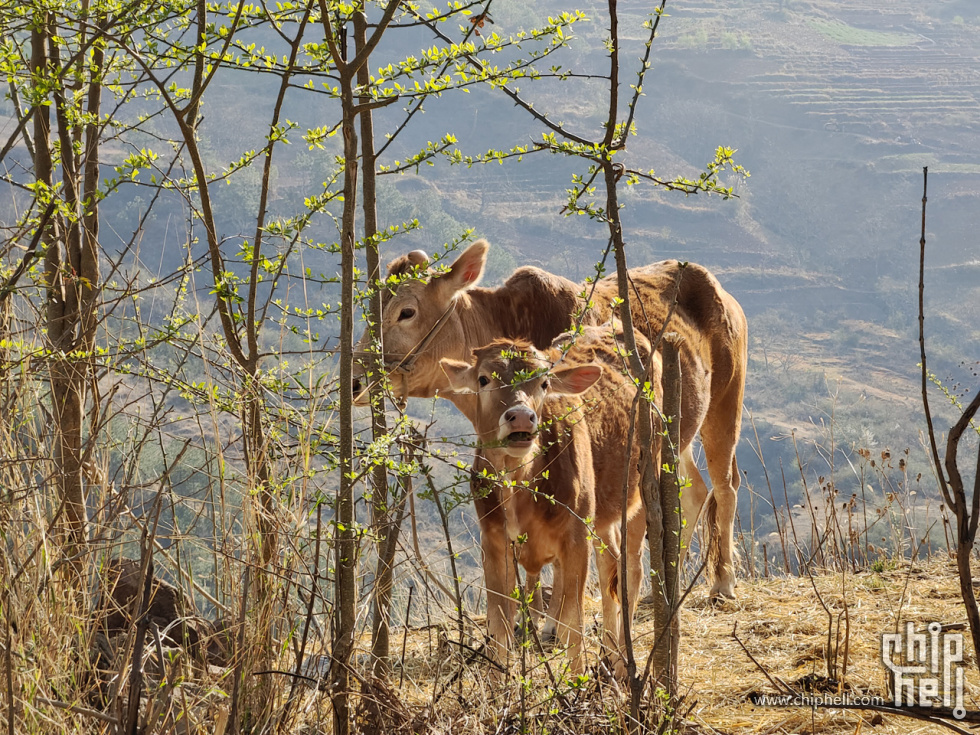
pixel 345 599
pixel 666 655
pixel 90 271
pixel 257 440
pixel 966 519
pixel 648 470
pixel 62 314
pixel 387 534
pixel 345 537
pixel 953 491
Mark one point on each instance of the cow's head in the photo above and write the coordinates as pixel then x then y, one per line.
pixel 511 381
pixel 418 323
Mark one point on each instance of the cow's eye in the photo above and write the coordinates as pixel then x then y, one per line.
pixel 406 313
pixel 484 381
pixel 545 384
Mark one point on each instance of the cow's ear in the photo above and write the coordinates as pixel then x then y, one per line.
pixel 418 258
pixel 467 270
pixel 574 380
pixel 462 375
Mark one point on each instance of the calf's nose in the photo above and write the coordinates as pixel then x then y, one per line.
pixel 520 419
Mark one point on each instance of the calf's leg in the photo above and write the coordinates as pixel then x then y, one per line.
pixel 574 571
pixel 498 574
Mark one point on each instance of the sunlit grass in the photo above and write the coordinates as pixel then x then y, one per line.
pixel 851 36
pixel 905 162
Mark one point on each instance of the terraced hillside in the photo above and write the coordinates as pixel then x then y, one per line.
pixel 894 71
pixel 834 107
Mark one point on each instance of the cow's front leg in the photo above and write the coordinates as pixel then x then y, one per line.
pixel 607 545
pixel 498 574
pixel 549 631
pixel 532 589
pixel 573 571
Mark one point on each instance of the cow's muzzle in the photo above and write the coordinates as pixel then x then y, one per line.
pixel 518 427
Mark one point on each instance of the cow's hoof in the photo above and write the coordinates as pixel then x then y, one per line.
pixel 723 590
pixel 718 598
pixel 612 668
pixel 548 636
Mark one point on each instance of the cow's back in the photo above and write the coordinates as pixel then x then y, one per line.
pixel 707 317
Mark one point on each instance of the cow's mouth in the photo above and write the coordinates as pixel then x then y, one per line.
pixel 520 439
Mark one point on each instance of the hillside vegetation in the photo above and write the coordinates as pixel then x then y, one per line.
pixel 201 534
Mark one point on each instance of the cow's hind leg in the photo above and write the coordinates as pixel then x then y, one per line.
pixel 719 438
pixel 573 570
pixel 607 545
pixel 692 500
pixel 636 531
pixel 611 579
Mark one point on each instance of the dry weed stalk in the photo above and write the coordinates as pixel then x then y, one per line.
pixel 967 512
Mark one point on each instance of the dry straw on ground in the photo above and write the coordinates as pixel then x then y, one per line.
pixel 780 621
pixel 445 687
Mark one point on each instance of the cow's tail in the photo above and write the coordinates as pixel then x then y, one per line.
pixel 612 584
pixel 709 532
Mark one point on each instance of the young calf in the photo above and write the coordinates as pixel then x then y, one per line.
pixel 604 409
pixel 535 454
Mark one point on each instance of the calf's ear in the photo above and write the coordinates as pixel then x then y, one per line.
pixel 466 271
pixel 418 258
pixel 574 380
pixel 462 375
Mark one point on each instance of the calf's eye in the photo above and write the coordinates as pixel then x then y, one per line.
pixel 406 313
pixel 484 381
pixel 545 384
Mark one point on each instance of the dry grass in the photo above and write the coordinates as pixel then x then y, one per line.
pixel 783 625
pixel 780 621
pixel 447 688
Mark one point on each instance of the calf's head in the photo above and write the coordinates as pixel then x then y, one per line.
pixel 418 325
pixel 512 381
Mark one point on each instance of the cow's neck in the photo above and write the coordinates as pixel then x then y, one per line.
pixel 486 314
pixel 511 473
pixel 529 311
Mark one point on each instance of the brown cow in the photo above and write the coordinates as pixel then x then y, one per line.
pixel 608 414
pixel 536 461
pixel 605 408
pixel 431 315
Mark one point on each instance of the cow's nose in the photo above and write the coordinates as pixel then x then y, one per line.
pixel 521 419
pixel 356 386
